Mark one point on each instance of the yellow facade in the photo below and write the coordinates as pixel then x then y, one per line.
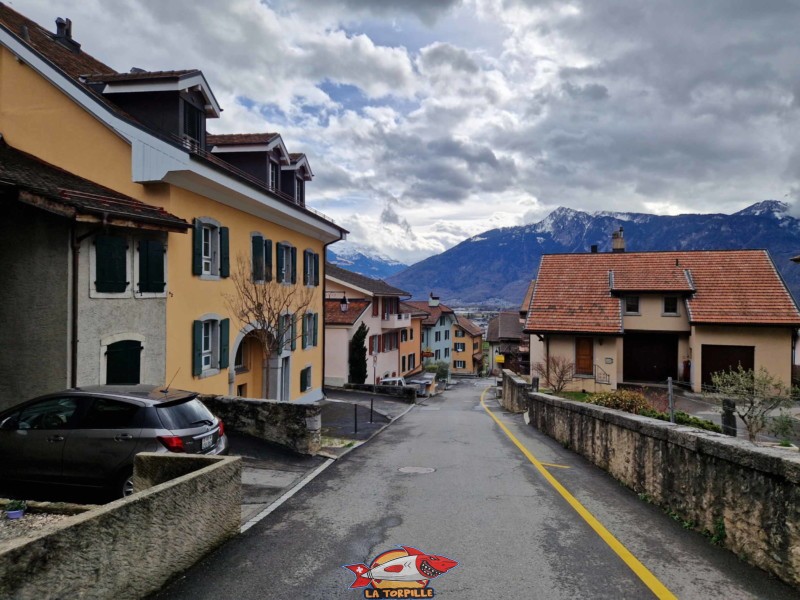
pixel 411 347
pixel 38 118
pixel 472 345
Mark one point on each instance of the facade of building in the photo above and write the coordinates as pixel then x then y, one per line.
pixel 144 135
pixel 647 316
pixel 508 346
pixel 467 347
pixel 437 330
pixel 411 342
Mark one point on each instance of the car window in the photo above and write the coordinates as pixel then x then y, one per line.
pixel 110 414
pixel 53 413
pixel 185 415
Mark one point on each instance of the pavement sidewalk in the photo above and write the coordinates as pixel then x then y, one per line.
pixel 271 473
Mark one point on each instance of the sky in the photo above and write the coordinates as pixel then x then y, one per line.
pixel 427 122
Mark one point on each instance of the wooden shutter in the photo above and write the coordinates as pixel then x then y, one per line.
pixel 267 260
pixel 304 383
pixel 224 342
pixel 281 251
pixel 316 329
pixel 294 264
pixel 224 252
pixel 294 332
pixel 257 245
pixel 111 264
pixel 151 266
pixel 305 332
pixel 197 348
pixel 375 306
pixel 197 248
pixel 316 270
pixel 307 267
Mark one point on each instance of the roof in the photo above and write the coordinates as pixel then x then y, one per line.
pixel 575 292
pixel 376 287
pixel 70 196
pixel 240 139
pixel 469 326
pixel 335 316
pixel 137 75
pixel 526 302
pixel 434 312
pixel 407 308
pixel 505 326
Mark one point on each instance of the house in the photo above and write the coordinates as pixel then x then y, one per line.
pixel 467 347
pixel 360 299
pixel 144 135
pixel 508 348
pixel 645 316
pixel 411 342
pixel 78 260
pixel 437 328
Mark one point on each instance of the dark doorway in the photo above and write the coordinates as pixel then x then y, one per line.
pixel 123 361
pixel 649 357
pixel 722 358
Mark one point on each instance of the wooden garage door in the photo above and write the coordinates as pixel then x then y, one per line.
pixel 584 356
pixel 721 358
pixel 649 357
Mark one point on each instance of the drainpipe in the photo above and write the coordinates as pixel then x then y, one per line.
pixel 322 263
pixel 76 241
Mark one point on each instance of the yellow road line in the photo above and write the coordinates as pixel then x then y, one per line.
pixel 552 466
pixel 650 580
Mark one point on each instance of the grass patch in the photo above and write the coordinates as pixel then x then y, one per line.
pixel 579 396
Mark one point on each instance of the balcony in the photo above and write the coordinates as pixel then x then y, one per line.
pixel 396 321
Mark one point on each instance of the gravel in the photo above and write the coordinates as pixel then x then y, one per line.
pixel 29 524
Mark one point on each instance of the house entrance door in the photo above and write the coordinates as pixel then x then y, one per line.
pixel 123 360
pixel 584 356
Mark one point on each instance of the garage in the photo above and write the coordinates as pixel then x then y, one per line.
pixel 721 358
pixel 649 357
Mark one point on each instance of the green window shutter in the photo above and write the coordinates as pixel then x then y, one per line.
pixel 111 264
pixel 294 332
pixel 267 260
pixel 316 270
pixel 197 348
pixel 303 380
pixel 280 251
pixel 151 267
pixel 305 333
pixel 316 329
pixel 224 342
pixel 306 267
pixel 294 264
pixel 224 252
pixel 258 257
pixel 197 248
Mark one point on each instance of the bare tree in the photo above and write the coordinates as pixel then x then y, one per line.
pixel 556 372
pixel 275 310
pixel 756 394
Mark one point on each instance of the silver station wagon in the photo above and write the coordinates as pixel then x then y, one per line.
pixel 88 436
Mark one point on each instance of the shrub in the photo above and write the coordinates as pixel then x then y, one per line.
pixel 626 400
pixel 681 418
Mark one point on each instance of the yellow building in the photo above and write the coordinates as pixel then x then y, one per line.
pixel 143 134
pixel 467 347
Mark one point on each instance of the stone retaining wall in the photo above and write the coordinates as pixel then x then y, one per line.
pixel 294 425
pixel 724 486
pixel 515 392
pixel 131 547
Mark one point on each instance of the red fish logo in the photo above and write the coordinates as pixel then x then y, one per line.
pixel 408 569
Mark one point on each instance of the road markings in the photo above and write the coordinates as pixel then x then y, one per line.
pixel 650 580
pixel 552 466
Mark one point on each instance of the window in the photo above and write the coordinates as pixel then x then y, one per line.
pixel 192 121
pixel 411 334
pixel 437 355
pixel 288 332
pixel 310 324
pixel 151 257
pixel 241 390
pixel 54 413
pixel 110 414
pixel 437 336
pixel 210 346
pixel 447 334
pixel 412 361
pixel 389 342
pixel 210 249
pixel 459 333
pixel 447 352
pixel 459 364
pixel 305 379
pixel 632 304
pixel 300 195
pixel 373 344
pixel 274 171
pixel 240 360
pixel 460 347
pixel 310 268
pixel 391 306
pixel 287 263
pixel 670 305
pixel 404 335
pixel 261 258
pixel 111 264
pixel 403 364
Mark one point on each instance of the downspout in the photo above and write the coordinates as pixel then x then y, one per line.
pixel 323 262
pixel 76 245
pixel 547 357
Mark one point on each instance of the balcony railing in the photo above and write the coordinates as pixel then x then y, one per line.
pixel 395 321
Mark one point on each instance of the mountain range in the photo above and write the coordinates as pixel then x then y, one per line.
pixel 493 269
pixel 363 260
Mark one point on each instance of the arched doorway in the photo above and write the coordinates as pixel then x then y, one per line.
pixel 123 362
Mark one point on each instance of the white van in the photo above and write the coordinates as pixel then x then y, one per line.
pixel 393 381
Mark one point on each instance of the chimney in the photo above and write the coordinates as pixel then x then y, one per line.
pixel 64 34
pixel 594 248
pixel 617 241
pixel 433 300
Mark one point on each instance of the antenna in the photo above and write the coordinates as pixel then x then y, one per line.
pixel 166 389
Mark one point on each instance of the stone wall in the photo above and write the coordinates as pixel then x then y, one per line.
pixel 131 547
pixel 725 487
pixel 407 393
pixel 292 424
pixel 515 392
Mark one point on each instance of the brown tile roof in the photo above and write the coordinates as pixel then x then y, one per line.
pixel 240 139
pixel 378 287
pixel 573 291
pixel 526 302
pixel 70 195
pixel 433 312
pixel 335 316
pixel 504 327
pixel 468 326
pixel 407 308
pixel 136 76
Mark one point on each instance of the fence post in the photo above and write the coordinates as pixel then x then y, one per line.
pixel 355 418
pixel 671 400
pixel 728 417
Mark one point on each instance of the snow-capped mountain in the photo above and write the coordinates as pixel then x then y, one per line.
pixel 495 267
pixel 363 259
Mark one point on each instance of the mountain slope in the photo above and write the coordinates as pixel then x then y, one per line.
pixel 495 267
pixel 363 260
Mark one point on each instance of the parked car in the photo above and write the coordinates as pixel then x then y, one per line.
pixel 89 436
pixel 393 381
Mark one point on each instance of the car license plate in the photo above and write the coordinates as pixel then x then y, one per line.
pixel 205 443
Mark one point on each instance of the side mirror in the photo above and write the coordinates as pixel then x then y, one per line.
pixel 9 424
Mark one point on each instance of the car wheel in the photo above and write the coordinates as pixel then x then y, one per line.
pixel 124 485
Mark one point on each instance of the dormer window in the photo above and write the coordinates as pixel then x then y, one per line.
pixel 300 191
pixel 274 170
pixel 193 121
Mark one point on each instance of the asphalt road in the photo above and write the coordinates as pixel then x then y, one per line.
pixel 482 504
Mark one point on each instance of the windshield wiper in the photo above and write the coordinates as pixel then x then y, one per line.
pixel 204 421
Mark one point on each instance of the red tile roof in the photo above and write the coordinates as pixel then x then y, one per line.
pixel 433 312
pixel 335 316
pixel 377 287
pixel 526 302
pixel 469 326
pixel 238 139
pixel 573 292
